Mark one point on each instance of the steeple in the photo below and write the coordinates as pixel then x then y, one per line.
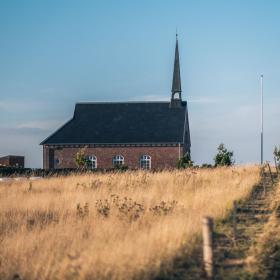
pixel 176 83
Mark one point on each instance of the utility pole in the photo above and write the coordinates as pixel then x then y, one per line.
pixel 261 119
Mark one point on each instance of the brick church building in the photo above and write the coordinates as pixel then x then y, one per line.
pixel 148 135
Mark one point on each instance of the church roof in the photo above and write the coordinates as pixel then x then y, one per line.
pixel 124 123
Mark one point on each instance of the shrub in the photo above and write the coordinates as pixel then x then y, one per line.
pixel 185 161
pixel 81 159
pixel 276 154
pixel 120 167
pixel 223 157
pixel 206 165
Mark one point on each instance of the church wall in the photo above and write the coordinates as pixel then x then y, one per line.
pixel 162 157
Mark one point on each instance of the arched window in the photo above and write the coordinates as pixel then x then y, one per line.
pixel 92 162
pixel 145 162
pixel 118 160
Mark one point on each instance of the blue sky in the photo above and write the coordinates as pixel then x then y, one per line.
pixel 56 53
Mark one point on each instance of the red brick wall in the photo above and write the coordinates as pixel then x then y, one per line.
pixel 4 161
pixel 162 157
pixel 48 158
pixel 17 161
pixel 13 161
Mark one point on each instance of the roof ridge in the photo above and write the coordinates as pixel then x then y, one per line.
pixel 121 102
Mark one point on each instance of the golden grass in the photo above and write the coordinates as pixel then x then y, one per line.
pixel 126 224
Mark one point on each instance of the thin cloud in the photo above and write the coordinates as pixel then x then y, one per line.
pixel 12 131
pixel 16 106
pixel 206 100
pixel 150 98
pixel 43 125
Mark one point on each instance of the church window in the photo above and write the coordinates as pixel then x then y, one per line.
pixel 92 162
pixel 145 162
pixel 118 160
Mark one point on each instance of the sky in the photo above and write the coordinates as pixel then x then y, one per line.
pixel 58 52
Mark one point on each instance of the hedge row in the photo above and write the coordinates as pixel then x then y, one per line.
pixel 37 172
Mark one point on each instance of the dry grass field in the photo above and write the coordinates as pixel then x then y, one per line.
pixel 111 226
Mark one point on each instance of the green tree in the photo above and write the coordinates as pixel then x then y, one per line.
pixel 185 161
pixel 276 154
pixel 81 159
pixel 223 157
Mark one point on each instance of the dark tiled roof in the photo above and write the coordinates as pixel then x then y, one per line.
pixel 11 156
pixel 129 122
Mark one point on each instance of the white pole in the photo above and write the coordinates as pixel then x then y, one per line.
pixel 261 119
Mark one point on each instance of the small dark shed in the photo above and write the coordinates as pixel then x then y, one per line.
pixel 12 161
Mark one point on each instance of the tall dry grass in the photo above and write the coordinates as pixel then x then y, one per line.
pixel 110 226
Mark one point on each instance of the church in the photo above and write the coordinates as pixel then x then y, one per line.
pixel 146 135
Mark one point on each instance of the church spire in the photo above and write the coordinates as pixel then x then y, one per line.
pixel 176 83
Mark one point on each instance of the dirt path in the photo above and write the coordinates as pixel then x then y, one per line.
pixel 232 257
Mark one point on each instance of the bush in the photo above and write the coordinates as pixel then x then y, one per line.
pixel 276 154
pixel 223 157
pixel 185 161
pixel 80 159
pixel 6 171
pixel 206 165
pixel 120 167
